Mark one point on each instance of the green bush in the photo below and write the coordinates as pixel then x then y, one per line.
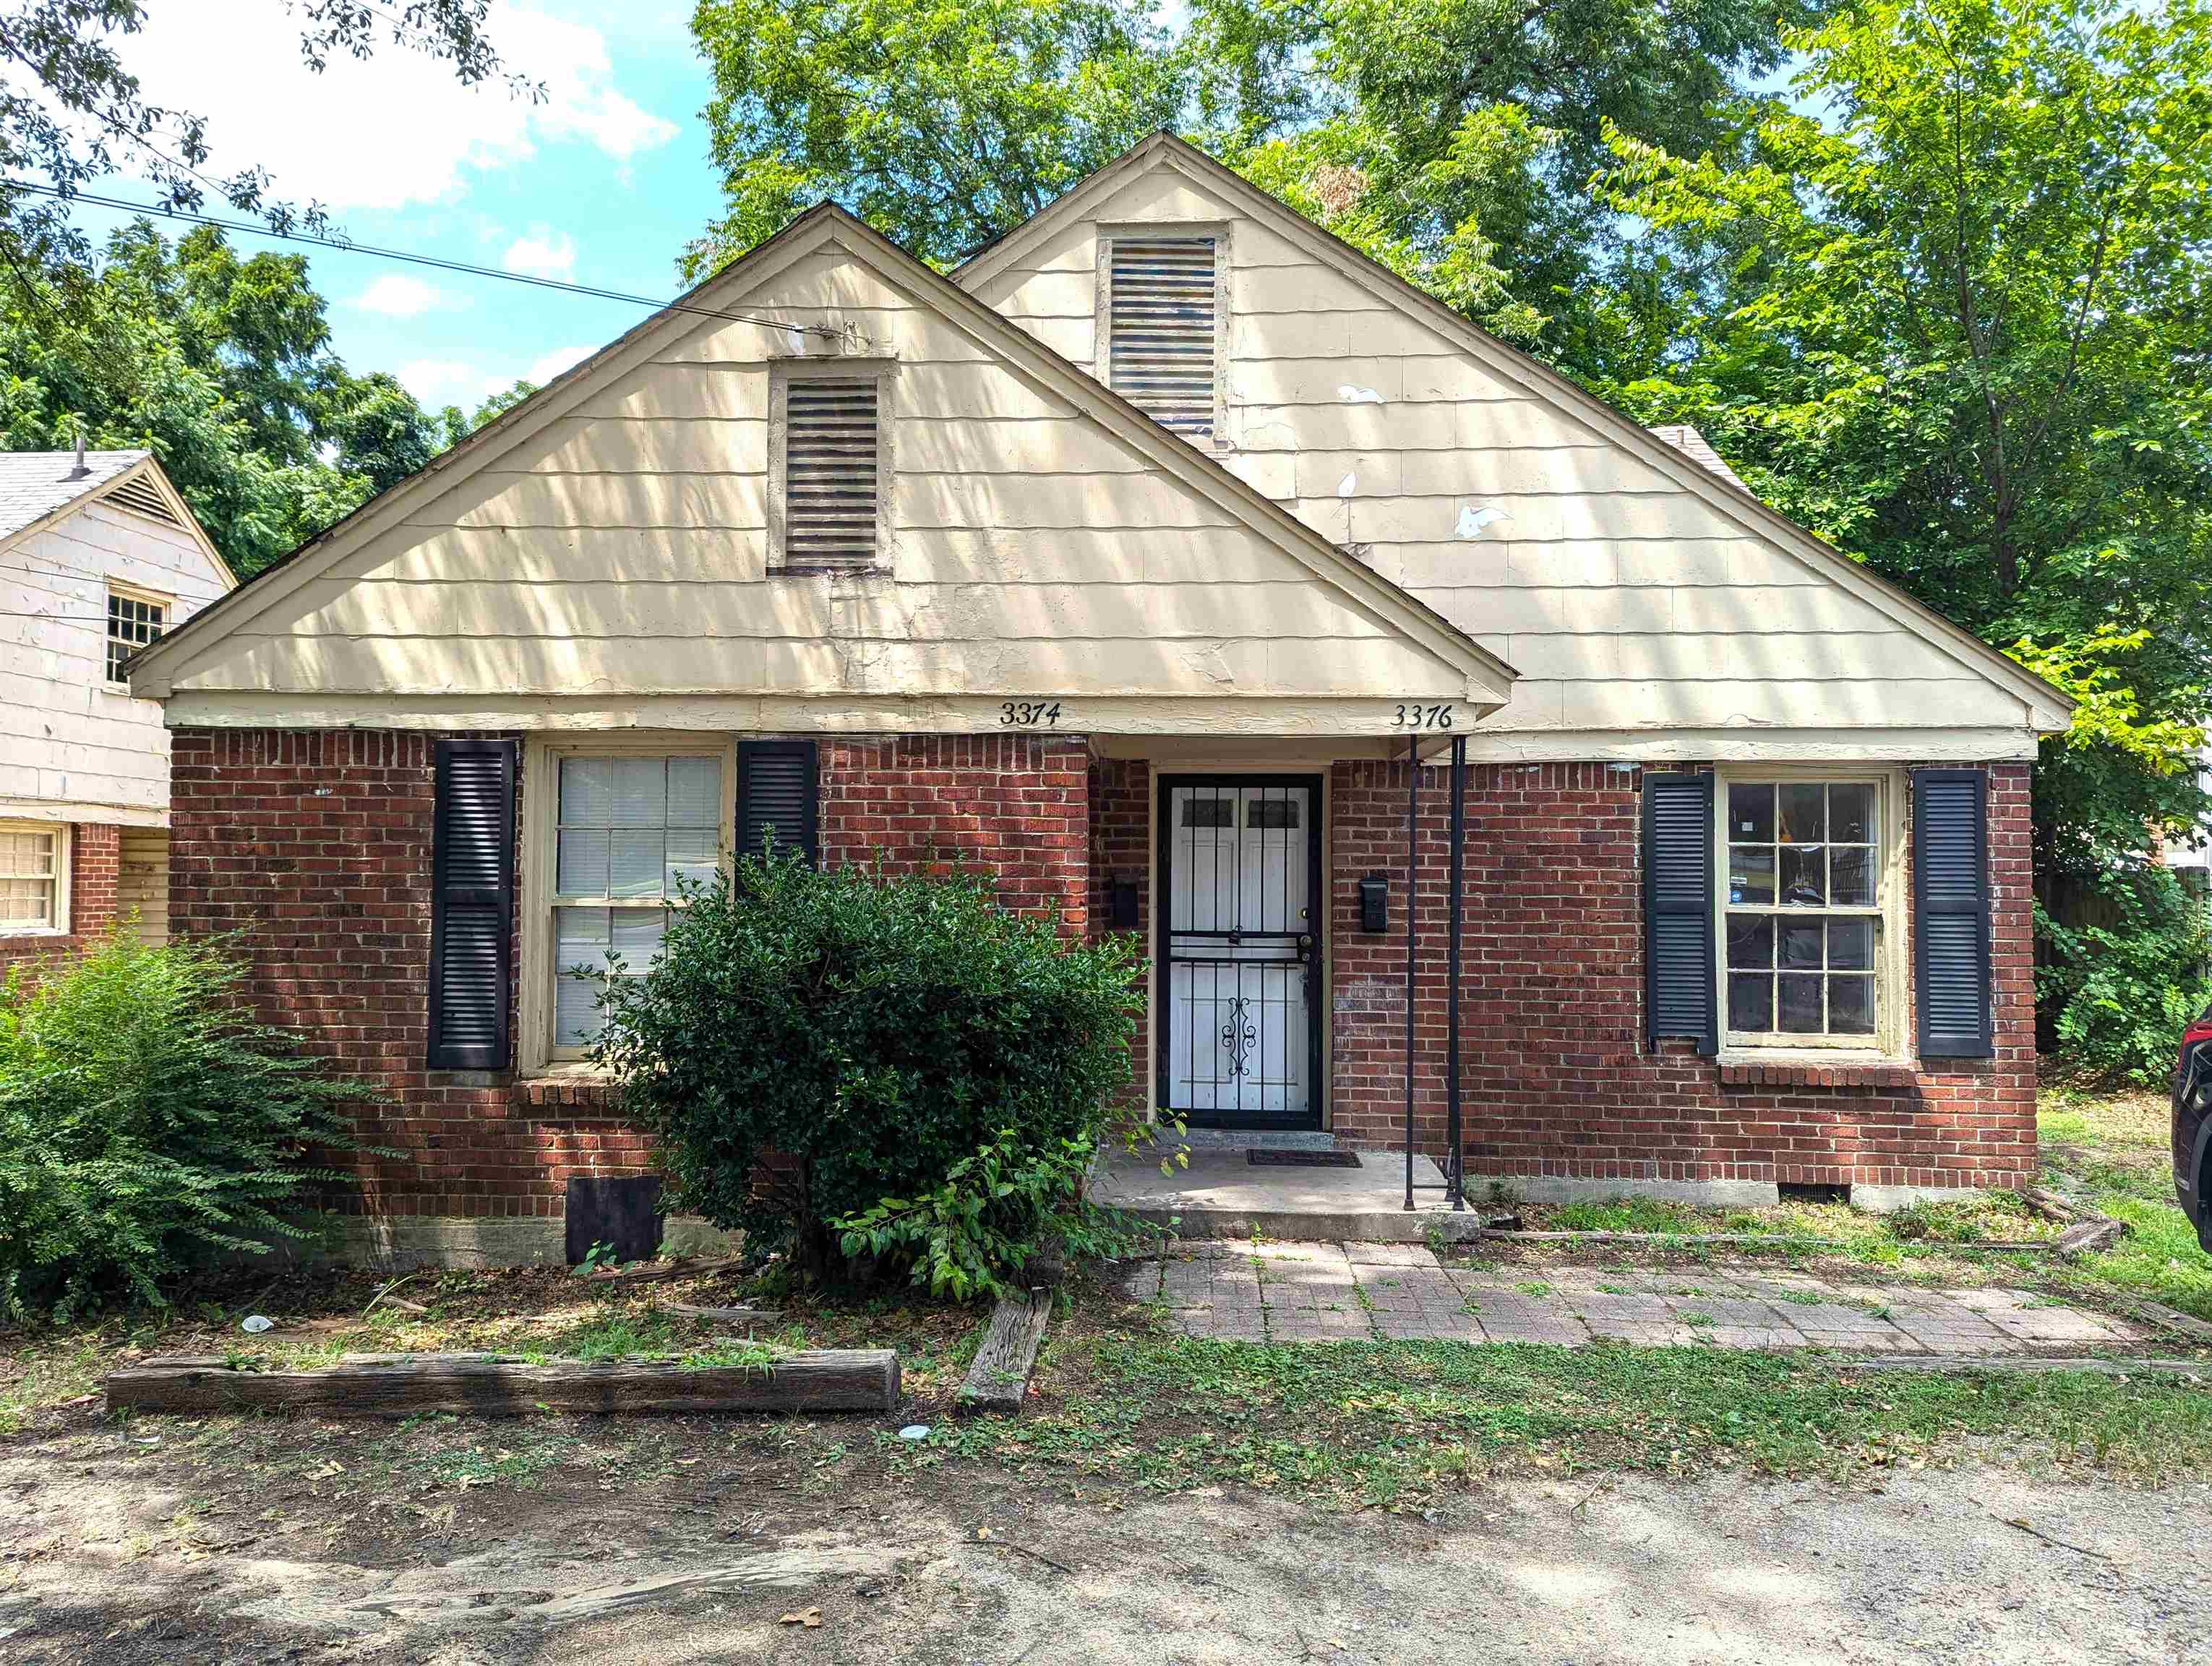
pixel 148 1124
pixel 2123 992
pixel 878 1039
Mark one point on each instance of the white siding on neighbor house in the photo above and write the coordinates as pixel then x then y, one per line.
pixel 621 550
pixel 1626 603
pixel 68 736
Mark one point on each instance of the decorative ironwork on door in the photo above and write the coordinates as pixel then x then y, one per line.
pixel 1240 949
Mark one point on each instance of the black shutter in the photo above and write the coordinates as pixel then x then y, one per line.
pixel 472 905
pixel 1680 969
pixel 1951 913
pixel 776 794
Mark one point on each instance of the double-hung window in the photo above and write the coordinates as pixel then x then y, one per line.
pixel 1807 899
pixel 33 877
pixel 135 618
pixel 631 827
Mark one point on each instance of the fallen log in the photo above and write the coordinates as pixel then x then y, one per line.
pixel 503 1385
pixel 999 1374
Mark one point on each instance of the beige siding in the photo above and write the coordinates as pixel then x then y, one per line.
pixel 1626 602
pixel 141 887
pixel 623 550
pixel 68 735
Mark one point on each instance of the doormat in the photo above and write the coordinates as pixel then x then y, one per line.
pixel 1302 1159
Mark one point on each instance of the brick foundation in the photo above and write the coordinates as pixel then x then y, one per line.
pixel 1556 1079
pixel 95 864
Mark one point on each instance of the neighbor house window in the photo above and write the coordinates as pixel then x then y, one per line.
pixel 33 877
pixel 1807 901
pixel 629 829
pixel 830 466
pixel 134 619
pixel 1160 322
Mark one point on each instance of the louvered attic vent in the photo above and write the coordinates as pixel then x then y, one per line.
pixel 829 471
pixel 1162 298
pixel 141 496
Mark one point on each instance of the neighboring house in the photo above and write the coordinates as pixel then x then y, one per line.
pixel 2193 861
pixel 98 558
pixel 1126 564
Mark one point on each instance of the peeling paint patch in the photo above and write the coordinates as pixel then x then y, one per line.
pixel 1349 484
pixel 1473 519
pixel 1358 396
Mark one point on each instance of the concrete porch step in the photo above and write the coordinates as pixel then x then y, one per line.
pixel 1220 1194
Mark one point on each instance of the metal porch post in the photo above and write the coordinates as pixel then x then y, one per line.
pixel 1455 1176
pixel 1412 881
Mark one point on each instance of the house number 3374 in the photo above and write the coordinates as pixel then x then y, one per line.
pixel 1424 717
pixel 1029 714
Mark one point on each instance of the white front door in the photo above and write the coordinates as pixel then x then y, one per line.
pixel 1242 950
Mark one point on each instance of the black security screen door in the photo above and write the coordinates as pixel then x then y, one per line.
pixel 1240 866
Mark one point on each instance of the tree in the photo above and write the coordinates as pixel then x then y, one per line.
pixel 1448 137
pixel 223 367
pixel 71 115
pixel 1949 312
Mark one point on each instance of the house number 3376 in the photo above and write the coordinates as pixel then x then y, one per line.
pixel 1424 717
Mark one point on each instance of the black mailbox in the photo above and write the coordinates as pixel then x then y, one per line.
pixel 1375 904
pixel 1122 915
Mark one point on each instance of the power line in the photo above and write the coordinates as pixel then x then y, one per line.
pixel 250 228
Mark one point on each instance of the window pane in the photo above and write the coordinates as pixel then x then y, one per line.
pixel 1751 873
pixel 583 941
pixel 695 792
pixel 1804 875
pixel 1271 812
pixel 1804 820
pixel 691 856
pixel 640 790
pixel 587 790
pixel 1801 943
pixel 1853 874
pixel 636 936
pixel 1850 943
pixel 636 862
pixel 26 904
pixel 1215 812
pixel 580 938
pixel 1851 813
pixel 1751 1002
pixel 1799 1004
pixel 1751 814
pixel 1751 939
pixel 583 864
pixel 1851 1004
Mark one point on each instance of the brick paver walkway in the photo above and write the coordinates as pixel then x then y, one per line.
pixel 1325 1292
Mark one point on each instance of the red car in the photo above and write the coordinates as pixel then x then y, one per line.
pixel 2192 1126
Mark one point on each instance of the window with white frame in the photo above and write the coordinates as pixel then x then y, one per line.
pixel 33 877
pixel 134 619
pixel 629 828
pixel 1160 323
pixel 1807 898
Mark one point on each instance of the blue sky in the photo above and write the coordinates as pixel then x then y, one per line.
pixel 601 184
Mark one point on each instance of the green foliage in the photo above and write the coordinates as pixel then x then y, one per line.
pixel 2124 992
pixel 148 1124
pixel 902 1042
pixel 223 366
pixel 1947 309
pixel 1447 137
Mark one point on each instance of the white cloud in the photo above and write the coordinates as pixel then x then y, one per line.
pixel 543 253
pixel 394 129
pixel 547 366
pixel 436 382
pixel 396 295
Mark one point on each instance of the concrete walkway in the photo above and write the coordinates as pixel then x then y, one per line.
pixel 1328 1292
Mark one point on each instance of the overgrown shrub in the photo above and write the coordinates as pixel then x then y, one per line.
pixel 149 1123
pixel 2124 992
pixel 903 1039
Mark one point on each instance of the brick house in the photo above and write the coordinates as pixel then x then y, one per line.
pixel 1174 563
pixel 98 556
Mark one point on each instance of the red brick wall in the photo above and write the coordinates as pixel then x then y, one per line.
pixel 95 863
pixel 1556 1082
pixel 318 842
pixel 1120 791
pixel 1016 807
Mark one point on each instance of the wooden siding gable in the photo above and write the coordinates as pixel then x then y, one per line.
pixel 1651 607
pixel 1044 540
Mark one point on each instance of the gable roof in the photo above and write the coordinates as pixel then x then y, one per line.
pixel 1683 463
pixel 1691 443
pixel 39 489
pixel 1488 678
